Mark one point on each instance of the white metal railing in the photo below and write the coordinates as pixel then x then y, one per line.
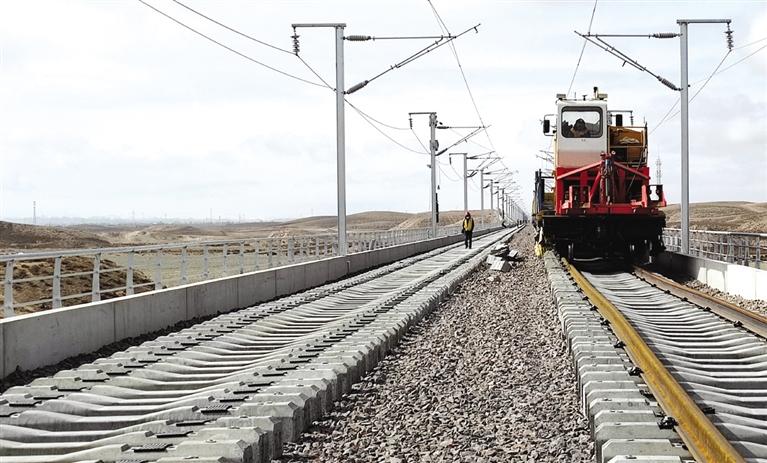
pixel 735 247
pixel 42 280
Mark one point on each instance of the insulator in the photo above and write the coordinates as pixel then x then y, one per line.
pixel 357 87
pixel 296 46
pixel 358 38
pixel 665 35
pixel 668 83
pixel 730 41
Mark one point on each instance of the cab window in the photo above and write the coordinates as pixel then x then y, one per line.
pixel 581 122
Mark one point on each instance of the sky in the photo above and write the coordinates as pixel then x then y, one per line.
pixel 109 109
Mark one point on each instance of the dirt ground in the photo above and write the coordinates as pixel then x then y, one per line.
pixel 725 216
pixel 21 238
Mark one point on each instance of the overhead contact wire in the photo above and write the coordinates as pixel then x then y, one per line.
pixel 220 44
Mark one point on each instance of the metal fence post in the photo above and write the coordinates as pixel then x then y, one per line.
pixel 56 288
pixel 129 275
pixel 158 269
pixel 242 257
pixel 730 249
pixel 205 262
pixel 95 281
pixel 8 287
pixel 183 265
pixel 226 266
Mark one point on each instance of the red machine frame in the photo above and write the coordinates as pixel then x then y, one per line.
pixel 601 189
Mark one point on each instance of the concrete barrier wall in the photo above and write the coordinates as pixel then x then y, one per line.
pixel 747 282
pixel 45 338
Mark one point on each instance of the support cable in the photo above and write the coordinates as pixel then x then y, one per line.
pixel 707 80
pixel 220 44
pixel 445 29
pixel 233 29
pixel 583 48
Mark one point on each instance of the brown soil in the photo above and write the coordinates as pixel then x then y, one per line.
pixel 725 216
pixel 22 236
pixel 29 291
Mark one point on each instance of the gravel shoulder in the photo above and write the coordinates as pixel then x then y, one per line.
pixel 485 378
pixel 759 306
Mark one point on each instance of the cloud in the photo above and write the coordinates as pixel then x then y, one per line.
pixel 107 107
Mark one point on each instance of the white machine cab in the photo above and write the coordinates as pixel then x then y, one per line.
pixel 582 132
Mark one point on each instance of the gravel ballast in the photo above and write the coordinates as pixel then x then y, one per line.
pixel 485 378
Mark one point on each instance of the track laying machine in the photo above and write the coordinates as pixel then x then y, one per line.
pixel 597 202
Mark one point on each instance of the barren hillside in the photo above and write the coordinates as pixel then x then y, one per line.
pixel 21 236
pixel 726 215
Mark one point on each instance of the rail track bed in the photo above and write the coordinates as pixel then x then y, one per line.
pixel 686 380
pixel 234 388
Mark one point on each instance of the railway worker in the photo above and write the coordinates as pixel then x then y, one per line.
pixel 579 129
pixel 467 228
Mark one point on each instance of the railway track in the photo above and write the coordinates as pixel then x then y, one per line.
pixel 234 388
pixel 705 366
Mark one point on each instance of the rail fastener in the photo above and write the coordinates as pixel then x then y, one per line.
pixel 703 439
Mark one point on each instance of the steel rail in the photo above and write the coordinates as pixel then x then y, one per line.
pixel 249 379
pixel 752 321
pixel 703 439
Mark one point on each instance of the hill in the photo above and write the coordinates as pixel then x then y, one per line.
pixel 22 236
pixel 738 216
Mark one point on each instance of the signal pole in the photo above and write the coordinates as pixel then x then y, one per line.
pixel 684 97
pixel 684 110
pixel 482 189
pixel 340 127
pixel 433 146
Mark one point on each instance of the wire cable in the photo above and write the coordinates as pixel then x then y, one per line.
pixel 708 79
pixel 583 48
pixel 372 124
pixel 443 26
pixel 388 126
pixel 233 29
pixel 420 142
pixel 242 55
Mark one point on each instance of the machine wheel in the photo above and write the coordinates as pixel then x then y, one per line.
pixel 571 252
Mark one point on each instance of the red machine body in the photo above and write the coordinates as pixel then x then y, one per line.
pixel 603 203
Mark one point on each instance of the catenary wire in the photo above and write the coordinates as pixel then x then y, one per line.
pixel 708 79
pixel 583 48
pixel 232 29
pixel 445 29
pixel 242 55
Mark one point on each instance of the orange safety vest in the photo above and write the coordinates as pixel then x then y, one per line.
pixel 468 224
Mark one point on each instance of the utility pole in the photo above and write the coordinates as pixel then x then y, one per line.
pixel 482 189
pixel 684 110
pixel 433 147
pixel 502 203
pixel 34 212
pixel 465 179
pixel 491 194
pixel 597 39
pixel 465 186
pixel 340 126
pixel 658 171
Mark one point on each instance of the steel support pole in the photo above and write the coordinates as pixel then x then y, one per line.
pixel 433 152
pixel 340 141
pixel 685 200
pixel 482 189
pixel 491 194
pixel 465 186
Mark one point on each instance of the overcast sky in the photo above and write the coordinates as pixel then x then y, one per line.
pixel 107 107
